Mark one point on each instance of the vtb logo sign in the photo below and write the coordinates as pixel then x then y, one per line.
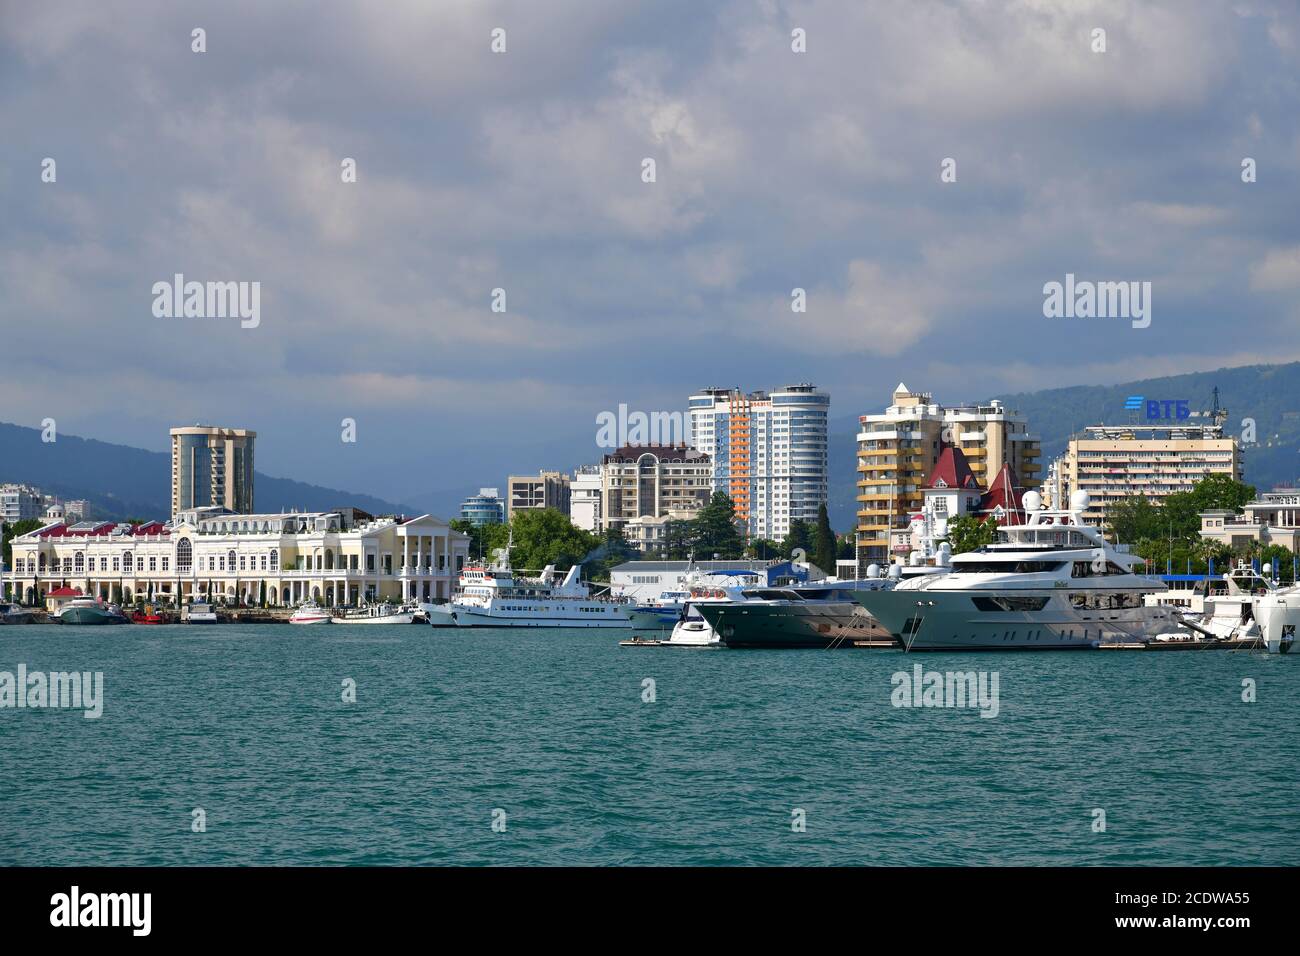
pixel 1159 407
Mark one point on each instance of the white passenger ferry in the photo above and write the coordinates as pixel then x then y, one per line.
pixel 495 597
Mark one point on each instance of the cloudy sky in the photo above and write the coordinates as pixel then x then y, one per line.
pixel 522 170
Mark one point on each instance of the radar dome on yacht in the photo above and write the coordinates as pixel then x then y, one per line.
pixel 895 571
pixel 1032 501
pixel 1267 569
pixel 1079 501
pixel 873 570
pixel 914 559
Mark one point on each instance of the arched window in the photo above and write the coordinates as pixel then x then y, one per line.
pixel 184 556
pixel 79 563
pixel 42 563
pixel 275 562
pixel 329 560
pixel 230 560
pixel 126 562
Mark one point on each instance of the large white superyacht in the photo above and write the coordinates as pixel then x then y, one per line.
pixel 1052 583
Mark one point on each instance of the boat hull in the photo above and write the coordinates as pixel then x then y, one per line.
pixel 949 621
pixel 794 625
pixel 90 616
pixel 646 618
pixel 465 616
pixel 401 618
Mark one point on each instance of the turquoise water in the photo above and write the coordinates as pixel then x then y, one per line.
pixel 247 722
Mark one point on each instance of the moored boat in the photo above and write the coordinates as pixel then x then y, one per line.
pixel 89 611
pixel 496 597
pixel 310 613
pixel 822 616
pixel 1051 583
pixel 200 613
pixel 374 614
pixel 13 614
pixel 149 615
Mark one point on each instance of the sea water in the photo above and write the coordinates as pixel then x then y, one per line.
pixel 395 745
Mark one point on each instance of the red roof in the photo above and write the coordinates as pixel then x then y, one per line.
pixel 953 471
pixel 64 592
pixel 1004 494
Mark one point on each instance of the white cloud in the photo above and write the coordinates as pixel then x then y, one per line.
pixel 1279 269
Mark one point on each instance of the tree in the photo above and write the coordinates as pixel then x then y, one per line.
pixel 679 539
pixel 848 547
pixel 715 528
pixel 483 539
pixel 1134 518
pixel 824 542
pixel 797 539
pixel 546 536
pixel 968 533
pixel 14 530
pixel 612 550
pixel 763 549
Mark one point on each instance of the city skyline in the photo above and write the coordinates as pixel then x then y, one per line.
pixel 522 171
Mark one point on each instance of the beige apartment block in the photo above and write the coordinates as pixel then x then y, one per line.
pixel 547 489
pixel 1111 462
pixel 650 482
pixel 898 448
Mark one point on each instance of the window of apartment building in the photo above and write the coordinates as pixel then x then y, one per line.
pixel 127 561
pixel 153 563
pixel 275 560
pixel 166 562
pixel 116 562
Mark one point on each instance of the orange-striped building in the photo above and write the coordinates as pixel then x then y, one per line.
pixel 768 451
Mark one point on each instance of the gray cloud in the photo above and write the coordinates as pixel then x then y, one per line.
pixel 522 171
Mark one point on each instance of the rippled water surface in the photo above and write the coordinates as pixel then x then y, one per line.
pixel 248 723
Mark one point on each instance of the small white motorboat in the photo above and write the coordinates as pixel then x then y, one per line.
pixel 375 614
pixel 200 613
pixel 310 613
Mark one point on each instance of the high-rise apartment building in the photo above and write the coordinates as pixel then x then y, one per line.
pixel 212 467
pixel 898 449
pixel 1114 461
pixel 768 452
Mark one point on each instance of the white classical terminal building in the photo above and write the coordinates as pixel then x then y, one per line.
pixel 338 558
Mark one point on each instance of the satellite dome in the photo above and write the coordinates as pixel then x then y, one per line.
pixel 873 570
pixel 1079 501
pixel 1032 501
